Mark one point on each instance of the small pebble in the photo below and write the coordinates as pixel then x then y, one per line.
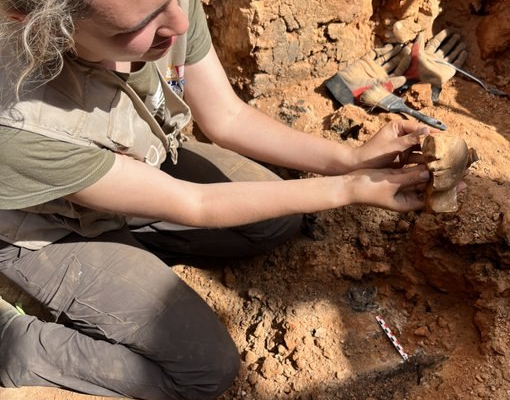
pixel 250 357
pixel 422 331
pixel 229 279
pixel 442 322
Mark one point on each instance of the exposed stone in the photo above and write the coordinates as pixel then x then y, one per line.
pixel 250 357
pixel 229 279
pixel 422 331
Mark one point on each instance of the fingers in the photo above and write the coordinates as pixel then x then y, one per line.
pixel 447 47
pixel 459 56
pixel 418 189
pixel 384 58
pixel 413 176
pixel 391 64
pixel 410 199
pixel 407 126
pixel 413 140
pixel 380 51
pixel 420 41
pixel 421 187
pixel 410 143
pixel 397 81
pixel 404 61
pixel 409 156
pixel 461 59
pixel 413 197
pixel 454 53
pixel 434 43
pixel 411 194
pixel 436 91
pixel 415 158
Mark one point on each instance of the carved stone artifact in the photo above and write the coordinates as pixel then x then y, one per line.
pixel 447 157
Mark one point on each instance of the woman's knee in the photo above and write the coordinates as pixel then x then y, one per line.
pixel 223 372
pixel 266 235
pixel 285 228
pixel 213 377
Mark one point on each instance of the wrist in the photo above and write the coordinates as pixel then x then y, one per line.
pixel 345 159
pixel 357 159
pixel 351 189
pixel 344 190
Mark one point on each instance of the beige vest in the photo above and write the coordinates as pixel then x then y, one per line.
pixel 91 106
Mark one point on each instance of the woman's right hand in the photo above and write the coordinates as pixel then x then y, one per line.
pixel 400 190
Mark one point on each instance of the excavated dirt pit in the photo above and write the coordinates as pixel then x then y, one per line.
pixel 304 315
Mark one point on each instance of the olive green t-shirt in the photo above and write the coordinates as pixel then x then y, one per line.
pixel 35 169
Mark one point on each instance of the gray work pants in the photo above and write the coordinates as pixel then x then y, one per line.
pixel 123 322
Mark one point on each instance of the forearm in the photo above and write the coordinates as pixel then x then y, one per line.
pixel 235 125
pixel 258 136
pixel 135 189
pixel 230 204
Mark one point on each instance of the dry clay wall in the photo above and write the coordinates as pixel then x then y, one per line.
pixel 266 44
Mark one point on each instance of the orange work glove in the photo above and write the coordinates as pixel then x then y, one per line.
pixel 374 68
pixel 426 63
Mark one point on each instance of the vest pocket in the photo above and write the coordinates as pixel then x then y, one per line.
pixel 131 135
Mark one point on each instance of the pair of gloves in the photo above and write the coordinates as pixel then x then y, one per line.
pixel 400 66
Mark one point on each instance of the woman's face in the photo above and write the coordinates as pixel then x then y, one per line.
pixel 129 30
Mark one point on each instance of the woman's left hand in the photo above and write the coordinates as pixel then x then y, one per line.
pixel 394 145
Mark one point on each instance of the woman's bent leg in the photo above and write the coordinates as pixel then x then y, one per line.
pixel 206 163
pixel 126 325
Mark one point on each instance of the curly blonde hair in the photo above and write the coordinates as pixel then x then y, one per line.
pixel 36 43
